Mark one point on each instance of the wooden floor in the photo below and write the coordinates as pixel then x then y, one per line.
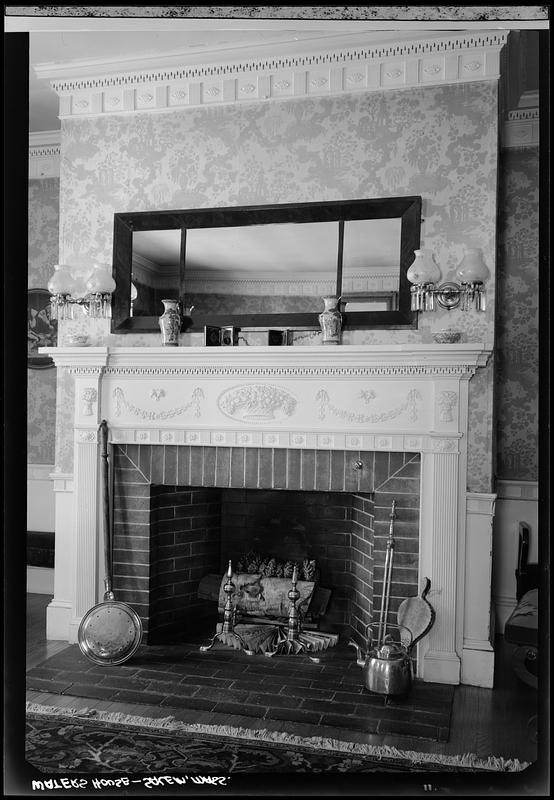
pixel 498 722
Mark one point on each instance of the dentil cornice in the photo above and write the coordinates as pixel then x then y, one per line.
pixel 44 154
pixel 340 65
pixel 521 129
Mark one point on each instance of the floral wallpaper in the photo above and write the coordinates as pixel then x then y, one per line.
pixel 42 255
pixel 517 379
pixel 439 142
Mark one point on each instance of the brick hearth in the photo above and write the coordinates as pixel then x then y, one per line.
pixel 325 699
pixel 182 512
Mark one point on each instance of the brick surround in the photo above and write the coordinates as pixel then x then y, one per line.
pixel 181 512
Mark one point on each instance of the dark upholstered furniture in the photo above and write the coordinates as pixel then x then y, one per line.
pixel 521 627
pixel 40 549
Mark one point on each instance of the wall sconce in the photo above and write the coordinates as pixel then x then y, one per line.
pixel 425 275
pixel 65 293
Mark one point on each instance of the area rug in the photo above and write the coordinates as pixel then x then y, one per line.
pixel 71 741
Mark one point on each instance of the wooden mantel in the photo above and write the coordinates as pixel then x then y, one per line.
pixel 397 398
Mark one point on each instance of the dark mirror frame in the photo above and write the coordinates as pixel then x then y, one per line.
pixel 406 208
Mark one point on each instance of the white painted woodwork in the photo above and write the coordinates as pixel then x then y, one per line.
pixel 58 612
pixel 326 67
pixel 384 397
pixel 479 627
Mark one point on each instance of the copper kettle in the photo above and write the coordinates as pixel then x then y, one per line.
pixel 387 666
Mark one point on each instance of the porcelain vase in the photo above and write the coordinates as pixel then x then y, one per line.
pixel 170 323
pixel 330 321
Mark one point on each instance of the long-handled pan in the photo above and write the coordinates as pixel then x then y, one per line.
pixel 111 632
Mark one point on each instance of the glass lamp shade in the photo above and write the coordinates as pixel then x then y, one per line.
pixel 472 268
pixel 79 288
pixel 424 269
pixel 100 281
pixel 61 281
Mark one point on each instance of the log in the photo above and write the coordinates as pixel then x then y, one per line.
pixel 210 586
pixel 265 597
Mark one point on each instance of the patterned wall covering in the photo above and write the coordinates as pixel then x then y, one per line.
pixel 43 254
pixel 439 142
pixel 517 376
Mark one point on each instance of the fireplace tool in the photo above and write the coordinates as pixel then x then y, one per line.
pixel 111 631
pixel 229 615
pixel 387 666
pixel 387 574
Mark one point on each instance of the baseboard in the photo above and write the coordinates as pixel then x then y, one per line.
pixel 40 580
pixel 441 667
pixel 478 668
pixel 58 618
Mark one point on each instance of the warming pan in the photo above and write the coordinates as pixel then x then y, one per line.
pixel 111 632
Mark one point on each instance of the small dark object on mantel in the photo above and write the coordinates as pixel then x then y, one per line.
pixel 212 336
pixel 230 336
pixel 275 337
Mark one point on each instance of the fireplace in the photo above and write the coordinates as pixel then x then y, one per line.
pixel 303 415
pixel 181 513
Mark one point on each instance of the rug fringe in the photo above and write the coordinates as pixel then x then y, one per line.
pixel 491 764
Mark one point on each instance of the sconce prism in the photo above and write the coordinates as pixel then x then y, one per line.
pixel 65 294
pixel 425 275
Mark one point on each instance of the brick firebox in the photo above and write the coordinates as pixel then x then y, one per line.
pixel 182 512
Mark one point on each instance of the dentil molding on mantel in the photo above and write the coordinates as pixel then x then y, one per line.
pixel 347 357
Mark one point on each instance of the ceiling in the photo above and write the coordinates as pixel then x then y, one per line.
pixel 85 51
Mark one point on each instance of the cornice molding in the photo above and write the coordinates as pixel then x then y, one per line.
pixel 44 138
pixel 521 129
pixel 44 154
pixel 433 60
pixel 355 360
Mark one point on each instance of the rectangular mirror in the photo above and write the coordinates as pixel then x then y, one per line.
pixel 267 266
pixel 261 269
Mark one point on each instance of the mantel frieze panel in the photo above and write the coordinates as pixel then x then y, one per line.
pixel 287 404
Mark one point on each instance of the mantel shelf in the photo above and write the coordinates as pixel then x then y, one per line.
pixel 470 354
